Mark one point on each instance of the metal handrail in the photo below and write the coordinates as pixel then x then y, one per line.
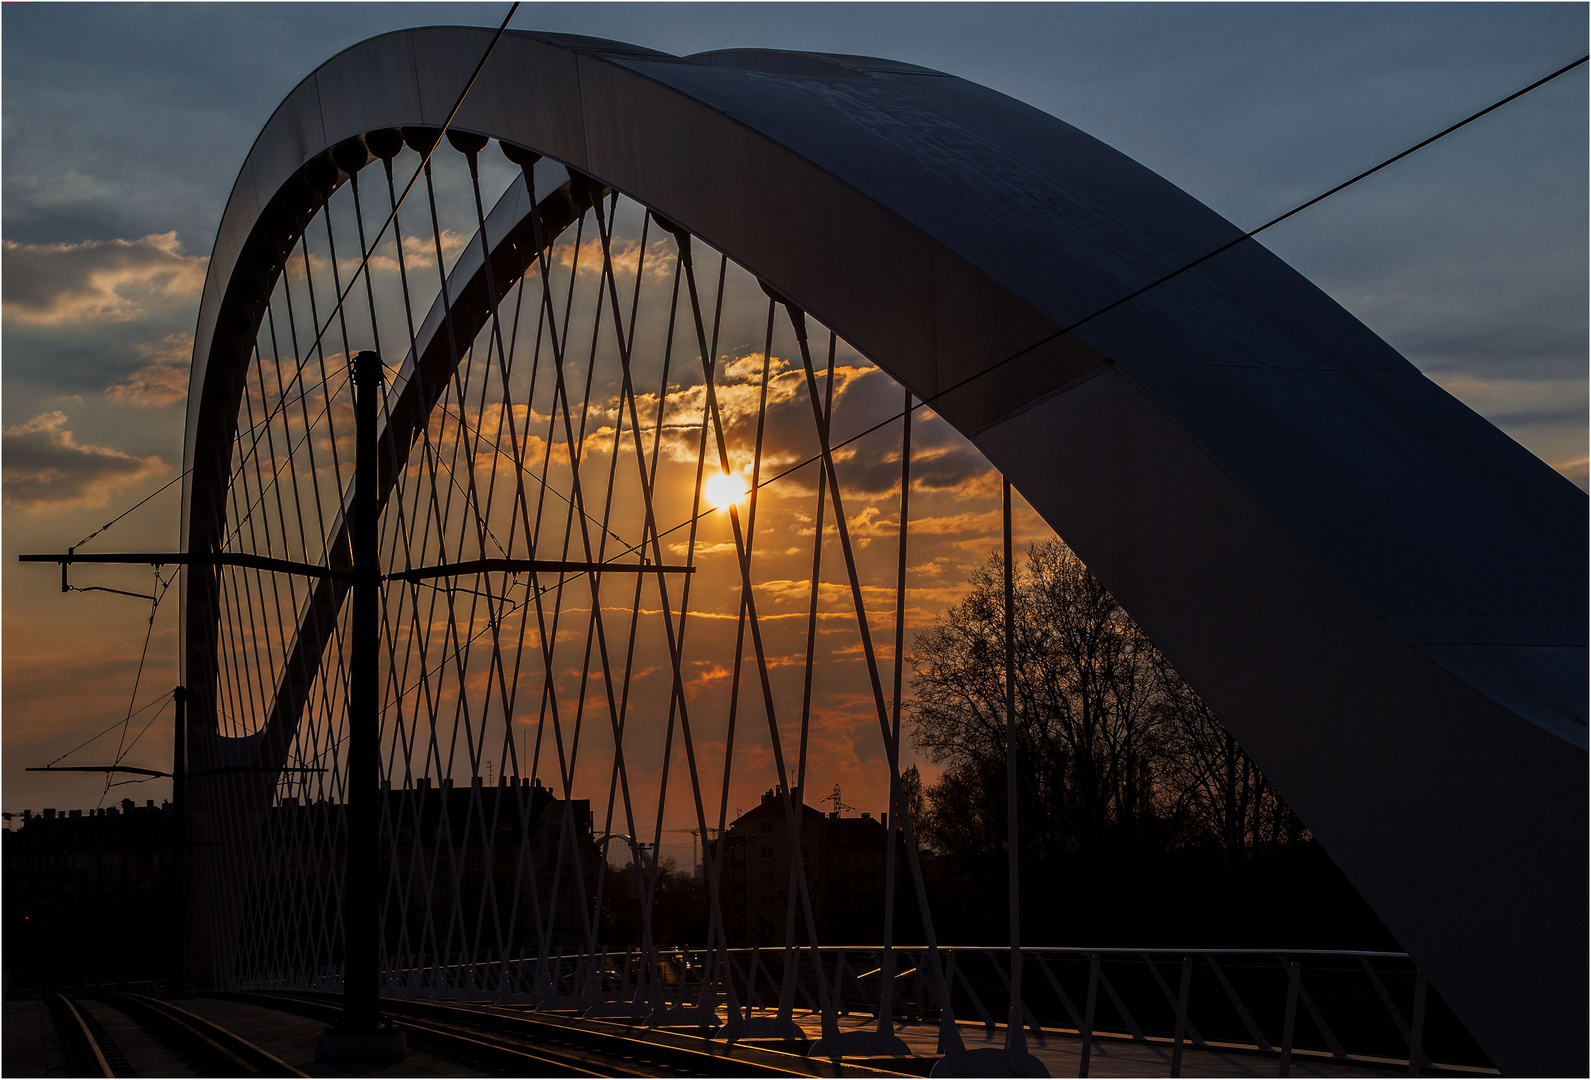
pixel 1283 1003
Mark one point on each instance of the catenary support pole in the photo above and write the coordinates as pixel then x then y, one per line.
pixel 361 1036
pixel 179 818
pixel 361 978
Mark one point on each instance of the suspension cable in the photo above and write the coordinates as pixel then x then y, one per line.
pixel 425 159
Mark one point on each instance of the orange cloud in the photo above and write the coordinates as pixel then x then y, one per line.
pixel 625 255
pixel 419 251
pixel 98 281
pixel 161 381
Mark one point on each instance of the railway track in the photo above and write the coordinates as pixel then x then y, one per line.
pixel 486 1040
pixel 454 1041
pixel 210 1049
pixel 503 1041
pixel 85 1054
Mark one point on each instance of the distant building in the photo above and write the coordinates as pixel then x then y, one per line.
pixel 844 858
pixel 448 854
pixel 515 830
pixel 89 897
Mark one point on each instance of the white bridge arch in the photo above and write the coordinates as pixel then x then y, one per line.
pixel 1382 595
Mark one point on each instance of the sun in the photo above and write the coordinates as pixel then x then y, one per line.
pixel 721 489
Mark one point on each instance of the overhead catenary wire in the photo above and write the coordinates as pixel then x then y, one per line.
pixel 143 656
pixel 141 732
pixel 112 726
pixel 131 508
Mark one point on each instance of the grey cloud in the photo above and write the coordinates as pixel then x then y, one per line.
pixel 46 467
pixel 111 281
pixel 871 467
pixel 949 468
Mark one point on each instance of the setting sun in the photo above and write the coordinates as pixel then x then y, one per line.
pixel 721 489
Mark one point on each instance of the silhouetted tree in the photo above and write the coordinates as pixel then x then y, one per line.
pixel 1118 753
pixel 1218 796
pixel 679 913
pixel 911 793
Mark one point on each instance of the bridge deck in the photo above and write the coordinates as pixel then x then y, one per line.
pixel 1061 1053
pixel 32 1047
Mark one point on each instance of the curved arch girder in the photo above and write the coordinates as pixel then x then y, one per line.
pixel 456 315
pixel 1381 594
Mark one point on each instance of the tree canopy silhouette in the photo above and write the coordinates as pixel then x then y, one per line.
pixel 1119 754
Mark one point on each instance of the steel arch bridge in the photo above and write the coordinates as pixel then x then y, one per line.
pixel 1381 595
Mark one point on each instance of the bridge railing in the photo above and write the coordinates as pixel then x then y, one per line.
pixel 1346 1005
pixel 1349 1005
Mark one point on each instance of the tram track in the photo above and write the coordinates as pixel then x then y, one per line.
pixel 80 1044
pixel 519 1044
pixel 207 1048
pixel 211 1048
pixel 456 1042
pixel 486 1039
pixel 113 1053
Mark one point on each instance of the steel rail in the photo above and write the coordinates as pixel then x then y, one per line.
pixel 226 1053
pixel 114 1057
pixel 451 1039
pixel 579 1044
pixel 78 1044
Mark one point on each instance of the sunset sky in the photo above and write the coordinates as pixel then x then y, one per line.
pixel 124 126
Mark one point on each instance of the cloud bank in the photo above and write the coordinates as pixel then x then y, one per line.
pixel 161 381
pixel 111 281
pixel 46 468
